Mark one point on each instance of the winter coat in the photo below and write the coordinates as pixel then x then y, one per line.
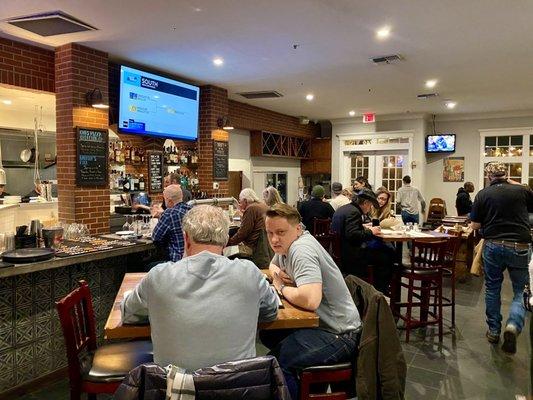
pixel 463 203
pixel 254 378
pixel 381 367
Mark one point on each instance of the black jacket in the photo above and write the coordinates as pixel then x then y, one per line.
pixel 463 204
pixel 254 379
pixel 381 367
pixel 348 223
pixel 314 208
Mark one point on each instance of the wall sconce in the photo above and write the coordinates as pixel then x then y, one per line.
pixel 224 123
pixel 95 99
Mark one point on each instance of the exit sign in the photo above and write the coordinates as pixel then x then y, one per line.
pixel 369 118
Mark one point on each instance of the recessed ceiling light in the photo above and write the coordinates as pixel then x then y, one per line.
pixel 431 83
pixel 450 104
pixel 310 97
pixel 7 102
pixel 218 61
pixel 383 33
pixel 351 113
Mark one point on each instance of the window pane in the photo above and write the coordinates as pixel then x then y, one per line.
pixel 516 140
pixel 490 141
pixel 503 140
pixel 385 173
pixel 515 170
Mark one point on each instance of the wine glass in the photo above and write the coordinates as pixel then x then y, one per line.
pixel 127 225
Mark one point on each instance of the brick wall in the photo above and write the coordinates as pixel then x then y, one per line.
pixel 213 105
pixel 245 116
pixel 26 66
pixel 78 70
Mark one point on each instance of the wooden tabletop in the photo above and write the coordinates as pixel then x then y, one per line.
pixel 399 236
pixel 289 317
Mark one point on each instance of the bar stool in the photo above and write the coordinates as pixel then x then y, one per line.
pixel 94 370
pixel 424 278
pixel 448 272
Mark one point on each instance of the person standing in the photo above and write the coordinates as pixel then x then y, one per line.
pixel 168 232
pixel 315 207
pixel 338 199
pixel 271 196
pixel 463 203
pixel 408 198
pixel 305 275
pixel 501 211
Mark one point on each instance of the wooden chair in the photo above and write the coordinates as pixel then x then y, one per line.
pixel 339 376
pixel 424 278
pixel 321 226
pixel 94 370
pixel 436 210
pixel 450 258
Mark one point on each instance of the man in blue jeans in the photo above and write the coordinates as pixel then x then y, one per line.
pixel 501 211
pixel 305 275
pixel 408 198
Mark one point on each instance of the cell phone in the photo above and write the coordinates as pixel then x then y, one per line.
pixel 375 222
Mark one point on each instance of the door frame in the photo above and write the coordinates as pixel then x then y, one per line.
pixel 345 149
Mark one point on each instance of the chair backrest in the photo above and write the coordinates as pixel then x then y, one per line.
pixel 452 249
pixel 321 225
pixel 326 240
pixel 428 254
pixel 76 316
pixel 436 209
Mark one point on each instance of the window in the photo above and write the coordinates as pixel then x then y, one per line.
pixel 359 167
pixel 392 174
pixel 512 147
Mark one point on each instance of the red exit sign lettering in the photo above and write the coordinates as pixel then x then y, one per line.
pixel 369 118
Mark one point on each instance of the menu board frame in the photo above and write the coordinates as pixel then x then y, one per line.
pixel 220 160
pixel 150 153
pixel 80 181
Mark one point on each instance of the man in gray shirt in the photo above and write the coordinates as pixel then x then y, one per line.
pixel 408 198
pixel 305 275
pixel 203 309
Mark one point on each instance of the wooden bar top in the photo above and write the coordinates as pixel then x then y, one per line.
pixel 289 317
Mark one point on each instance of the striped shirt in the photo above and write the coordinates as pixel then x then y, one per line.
pixel 168 231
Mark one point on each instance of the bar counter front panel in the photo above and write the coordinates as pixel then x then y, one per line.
pixel 31 340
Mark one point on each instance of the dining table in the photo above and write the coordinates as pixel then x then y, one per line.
pixel 289 316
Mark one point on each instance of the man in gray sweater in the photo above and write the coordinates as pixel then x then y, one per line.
pixel 203 309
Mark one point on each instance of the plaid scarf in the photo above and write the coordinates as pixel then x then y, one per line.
pixel 180 385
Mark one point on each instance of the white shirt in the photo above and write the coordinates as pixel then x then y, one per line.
pixel 339 201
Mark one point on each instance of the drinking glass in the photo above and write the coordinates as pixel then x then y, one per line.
pixel 127 225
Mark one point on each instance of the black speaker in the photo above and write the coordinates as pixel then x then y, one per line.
pixel 325 129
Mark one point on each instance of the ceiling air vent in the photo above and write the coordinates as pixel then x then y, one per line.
pixel 425 96
pixel 269 94
pixel 387 59
pixel 50 24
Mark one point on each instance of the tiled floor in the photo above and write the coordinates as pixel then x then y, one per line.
pixel 465 366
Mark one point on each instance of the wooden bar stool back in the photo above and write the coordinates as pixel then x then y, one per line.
pixel 424 284
pixel 321 226
pixel 94 369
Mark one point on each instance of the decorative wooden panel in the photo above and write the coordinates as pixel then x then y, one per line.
pixel 268 144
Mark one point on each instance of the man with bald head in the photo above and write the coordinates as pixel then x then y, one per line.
pixel 168 232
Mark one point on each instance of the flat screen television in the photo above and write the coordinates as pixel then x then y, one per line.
pixel 443 143
pixel 153 105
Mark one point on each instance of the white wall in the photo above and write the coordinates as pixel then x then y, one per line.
pixel 427 175
pixel 240 160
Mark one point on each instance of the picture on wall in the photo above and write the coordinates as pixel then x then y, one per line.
pixel 454 169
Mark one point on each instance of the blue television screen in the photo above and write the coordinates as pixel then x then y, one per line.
pixel 157 106
pixel 444 143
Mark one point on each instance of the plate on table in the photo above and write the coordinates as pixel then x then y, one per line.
pixel 125 233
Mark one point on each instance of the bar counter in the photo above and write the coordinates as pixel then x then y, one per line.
pixel 31 340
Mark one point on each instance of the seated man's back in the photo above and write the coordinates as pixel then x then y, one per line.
pixel 203 309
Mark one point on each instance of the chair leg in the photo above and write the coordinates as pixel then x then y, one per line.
pixel 439 293
pixel 305 386
pixel 409 310
pixel 453 296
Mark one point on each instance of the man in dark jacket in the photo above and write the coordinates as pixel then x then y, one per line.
pixel 316 207
pixel 356 255
pixel 463 203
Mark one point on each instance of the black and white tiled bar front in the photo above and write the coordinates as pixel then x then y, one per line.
pixel 31 341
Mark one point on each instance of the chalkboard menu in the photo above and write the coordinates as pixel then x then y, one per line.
pixel 220 160
pixel 91 157
pixel 155 171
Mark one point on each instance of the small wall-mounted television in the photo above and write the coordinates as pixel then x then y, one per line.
pixel 153 105
pixel 443 143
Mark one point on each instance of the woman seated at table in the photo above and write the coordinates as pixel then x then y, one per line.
pixel 251 236
pixel 384 212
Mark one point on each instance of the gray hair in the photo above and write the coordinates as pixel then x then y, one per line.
pixel 207 224
pixel 249 195
pixel 174 193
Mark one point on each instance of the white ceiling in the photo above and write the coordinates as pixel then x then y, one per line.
pixel 479 50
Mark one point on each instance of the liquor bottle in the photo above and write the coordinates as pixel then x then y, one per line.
pixel 127 183
pixel 117 152
pixel 141 183
pixel 127 154
pixel 183 157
